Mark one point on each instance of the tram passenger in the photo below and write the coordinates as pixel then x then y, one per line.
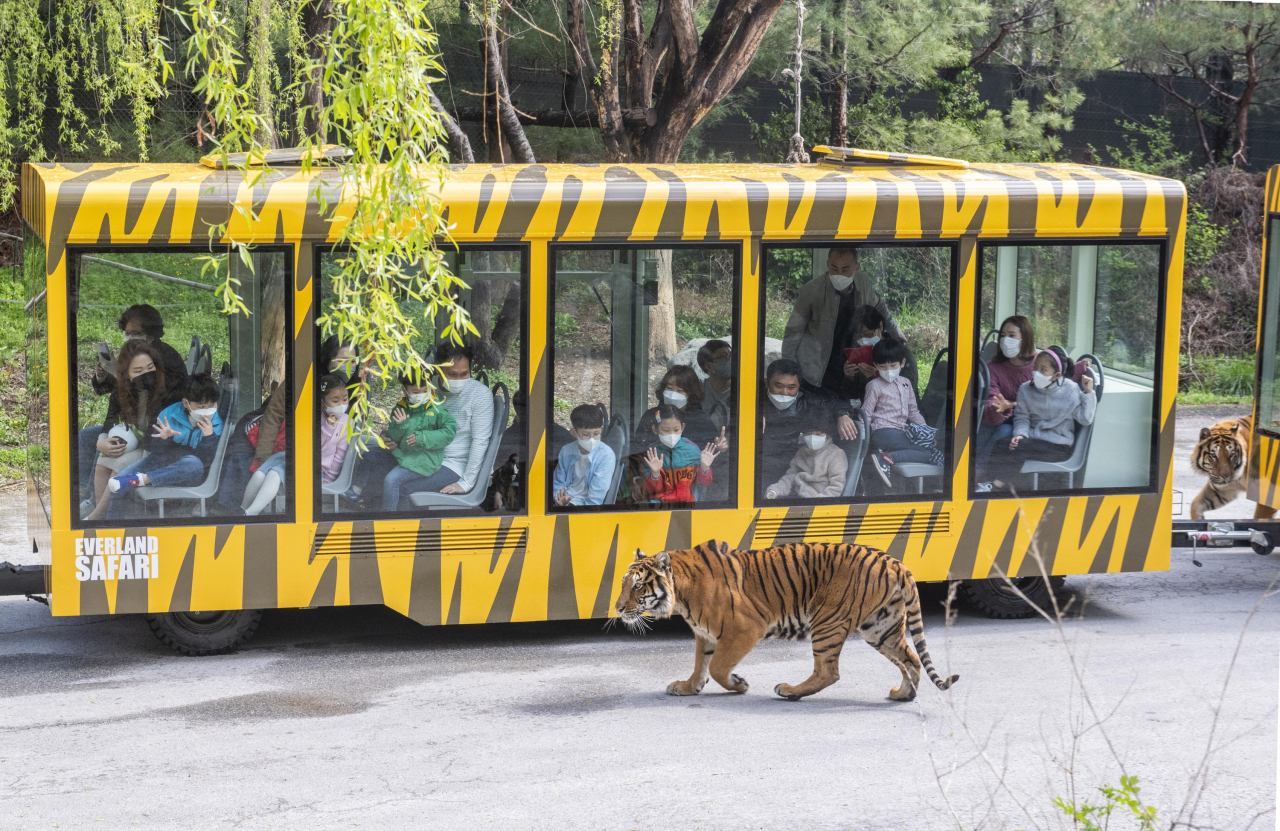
pixel 139 396
pixel 1045 416
pixel 416 440
pixel 181 447
pixel 819 468
pixel 715 358
pixel 859 365
pixel 139 323
pixel 821 324
pixel 677 470
pixel 1012 366
pixel 680 388
pixel 471 405
pixel 585 468
pixel 890 407
pixel 784 402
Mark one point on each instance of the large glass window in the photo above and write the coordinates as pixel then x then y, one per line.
pixel 1269 389
pixel 459 450
pixel 34 282
pixel 855 398
pixel 1069 341
pixel 181 411
pixel 643 403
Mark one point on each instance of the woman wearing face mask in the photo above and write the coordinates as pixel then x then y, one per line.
pixel 677 470
pixel 819 468
pixel 1009 370
pixel 889 406
pixel 137 400
pixel 1044 419
pixel 680 388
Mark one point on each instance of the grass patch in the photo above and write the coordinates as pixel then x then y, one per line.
pixel 1223 380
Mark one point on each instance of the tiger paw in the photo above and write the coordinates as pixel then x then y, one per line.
pixel 737 683
pixel 682 688
pixel 786 691
pixel 903 693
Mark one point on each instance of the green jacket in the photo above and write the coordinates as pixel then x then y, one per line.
pixel 434 429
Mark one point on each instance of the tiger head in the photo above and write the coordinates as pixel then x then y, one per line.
pixel 1221 452
pixel 647 590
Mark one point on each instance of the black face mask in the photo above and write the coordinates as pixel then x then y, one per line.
pixel 146 381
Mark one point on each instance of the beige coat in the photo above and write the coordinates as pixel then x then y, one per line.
pixel 813 474
pixel 811 328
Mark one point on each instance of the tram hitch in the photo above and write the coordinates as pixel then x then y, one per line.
pixel 1196 534
pixel 28 580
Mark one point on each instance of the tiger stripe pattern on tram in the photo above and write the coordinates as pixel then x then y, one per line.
pixel 733 599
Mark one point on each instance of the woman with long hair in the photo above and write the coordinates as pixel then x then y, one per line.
pixel 1010 368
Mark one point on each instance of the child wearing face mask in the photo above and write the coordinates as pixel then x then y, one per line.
pixel 890 405
pixel 1049 407
pixel 180 449
pixel 585 467
pixel 676 470
pixel 819 468
pixel 859 365
pixel 334 401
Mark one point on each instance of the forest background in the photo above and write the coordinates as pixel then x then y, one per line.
pixel 1171 87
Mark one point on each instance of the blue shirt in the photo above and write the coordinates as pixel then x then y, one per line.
pixel 600 465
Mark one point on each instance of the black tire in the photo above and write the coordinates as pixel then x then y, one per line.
pixel 996 598
pixel 205 633
pixel 1263 549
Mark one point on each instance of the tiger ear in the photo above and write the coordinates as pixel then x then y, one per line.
pixel 1204 433
pixel 639 554
pixel 724 548
pixel 663 560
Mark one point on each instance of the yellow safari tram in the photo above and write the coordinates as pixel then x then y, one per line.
pixel 763 354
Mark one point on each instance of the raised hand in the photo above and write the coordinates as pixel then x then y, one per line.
pixel 398 415
pixel 709 454
pixel 330 418
pixel 562 496
pixel 204 424
pixel 1086 383
pixel 163 430
pixel 1002 404
pixel 721 443
pixel 654 460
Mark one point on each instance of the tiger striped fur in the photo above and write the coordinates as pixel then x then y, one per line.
pixel 732 599
pixel 1223 454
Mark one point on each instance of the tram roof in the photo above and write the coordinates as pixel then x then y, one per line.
pixel 178 203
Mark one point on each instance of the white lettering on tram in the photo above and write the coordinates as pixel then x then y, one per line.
pixel 117 558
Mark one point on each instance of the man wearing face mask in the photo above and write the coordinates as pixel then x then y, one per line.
pixel 139 322
pixel 715 358
pixel 822 322
pixel 471 405
pixel 785 406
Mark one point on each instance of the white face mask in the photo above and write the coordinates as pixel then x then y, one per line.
pixel 1011 347
pixel 418 398
pixel 871 341
pixel 338 410
pixel 207 412
pixel 1041 380
pixel 841 282
pixel 136 336
pixel 675 399
pixel 588 444
pixel 889 374
pixel 457 386
pixel 782 401
pixel 815 442
pixel 670 439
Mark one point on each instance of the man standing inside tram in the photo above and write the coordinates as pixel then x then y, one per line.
pixel 824 319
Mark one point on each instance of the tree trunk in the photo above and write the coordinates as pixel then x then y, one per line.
pixel 273 328
pixel 317 24
pixel 460 151
pixel 486 354
pixel 509 129
pixel 507 327
pixel 258 43
pixel 840 77
pixel 662 317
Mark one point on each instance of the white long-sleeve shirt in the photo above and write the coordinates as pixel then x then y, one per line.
pixel 472 408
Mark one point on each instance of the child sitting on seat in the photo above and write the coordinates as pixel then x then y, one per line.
pixel 419 431
pixel 584 469
pixel 677 470
pixel 890 406
pixel 182 445
pixel 819 468
pixel 334 400
pixel 1049 407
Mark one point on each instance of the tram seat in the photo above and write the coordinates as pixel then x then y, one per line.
pixel 990 344
pixel 341 484
pixel 934 409
pixel 199 357
pixel 618 439
pixel 857 454
pixel 229 394
pixel 1084 434
pixel 473 497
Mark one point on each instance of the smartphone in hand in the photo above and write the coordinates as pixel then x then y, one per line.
pixel 105 361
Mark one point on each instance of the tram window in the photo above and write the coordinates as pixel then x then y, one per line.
pixel 643 407
pixel 854 401
pixel 1098 307
pixel 171 394
pixel 462 451
pixel 1269 377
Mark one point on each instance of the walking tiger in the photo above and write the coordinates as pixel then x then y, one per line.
pixel 732 599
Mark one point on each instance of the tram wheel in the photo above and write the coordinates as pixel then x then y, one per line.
pixel 997 598
pixel 205 633
pixel 1263 548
